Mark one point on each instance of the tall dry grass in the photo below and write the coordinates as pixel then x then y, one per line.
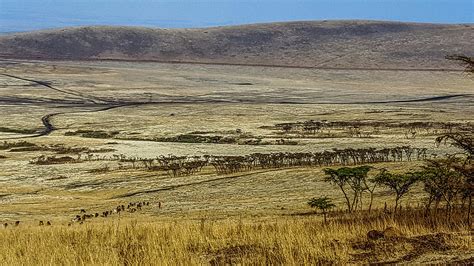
pixel 281 240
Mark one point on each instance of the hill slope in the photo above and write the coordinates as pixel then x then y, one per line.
pixel 339 44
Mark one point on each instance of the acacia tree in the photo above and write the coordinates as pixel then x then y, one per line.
pixel 358 183
pixel 340 179
pixel 369 186
pixel 465 142
pixel 467 61
pixel 443 181
pixel 462 141
pixel 352 177
pixel 324 204
pixel 398 183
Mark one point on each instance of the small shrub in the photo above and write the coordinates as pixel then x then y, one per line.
pixel 24 149
pixel 100 170
pixel 97 134
pixel 8 145
pixel 46 160
pixel 324 204
pixel 18 130
pixel 192 138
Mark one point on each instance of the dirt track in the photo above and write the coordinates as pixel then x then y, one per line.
pixel 316 67
pixel 86 103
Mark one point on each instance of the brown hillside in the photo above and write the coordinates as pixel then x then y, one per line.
pixel 338 44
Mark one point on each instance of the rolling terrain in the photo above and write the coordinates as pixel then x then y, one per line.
pixel 203 146
pixel 323 44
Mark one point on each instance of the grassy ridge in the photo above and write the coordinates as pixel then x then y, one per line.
pixel 334 44
pixel 284 240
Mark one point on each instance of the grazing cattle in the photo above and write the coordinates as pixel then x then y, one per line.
pixel 41 223
pixel 374 235
pixel 5 225
pixel 48 223
pixel 17 223
pixel 132 207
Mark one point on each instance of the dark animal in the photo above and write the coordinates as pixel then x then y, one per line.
pixel 374 235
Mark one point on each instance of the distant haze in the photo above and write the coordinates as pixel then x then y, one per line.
pixel 27 15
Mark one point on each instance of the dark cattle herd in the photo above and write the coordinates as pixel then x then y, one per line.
pixel 83 215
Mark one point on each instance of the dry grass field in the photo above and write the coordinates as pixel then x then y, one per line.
pixel 103 119
pixel 285 240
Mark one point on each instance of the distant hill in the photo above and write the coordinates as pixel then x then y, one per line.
pixel 332 44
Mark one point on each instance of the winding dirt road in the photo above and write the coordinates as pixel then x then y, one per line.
pixel 97 104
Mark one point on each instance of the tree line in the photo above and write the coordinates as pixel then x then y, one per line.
pixel 354 128
pixel 447 182
pixel 188 165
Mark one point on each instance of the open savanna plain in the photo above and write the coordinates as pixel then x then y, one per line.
pixel 81 138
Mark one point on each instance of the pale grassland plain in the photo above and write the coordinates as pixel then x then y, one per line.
pixel 253 217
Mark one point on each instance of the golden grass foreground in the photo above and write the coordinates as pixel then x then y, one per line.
pixel 291 240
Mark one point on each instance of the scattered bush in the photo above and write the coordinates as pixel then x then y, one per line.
pixel 192 138
pixel 98 134
pixel 57 178
pixel 8 145
pixel 30 148
pixel 46 160
pixel 18 130
pixel 100 170
pixel 365 129
pixel 324 204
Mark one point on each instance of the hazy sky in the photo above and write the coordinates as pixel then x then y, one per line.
pixel 23 15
